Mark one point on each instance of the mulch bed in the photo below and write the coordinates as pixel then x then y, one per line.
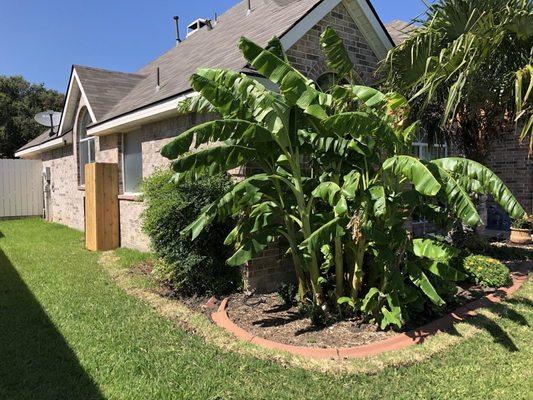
pixel 266 316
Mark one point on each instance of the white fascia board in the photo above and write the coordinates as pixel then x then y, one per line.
pixel 135 119
pixel 84 96
pixel 75 79
pixel 308 22
pixel 325 7
pixel 374 22
pixel 52 144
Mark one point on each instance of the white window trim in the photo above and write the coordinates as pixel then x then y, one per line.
pixel 87 140
pixel 425 144
pixel 122 162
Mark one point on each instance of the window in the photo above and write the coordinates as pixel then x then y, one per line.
pixel 86 144
pixel 424 151
pixel 132 162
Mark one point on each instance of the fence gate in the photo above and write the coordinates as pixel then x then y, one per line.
pixel 21 188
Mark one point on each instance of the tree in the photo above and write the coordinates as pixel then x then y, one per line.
pixel 330 177
pixel 19 102
pixel 470 62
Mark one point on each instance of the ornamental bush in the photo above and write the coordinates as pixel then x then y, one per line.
pixel 486 271
pixel 190 267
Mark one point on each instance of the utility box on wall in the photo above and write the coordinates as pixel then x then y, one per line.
pixel 101 207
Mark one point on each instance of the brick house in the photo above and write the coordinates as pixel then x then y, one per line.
pixel 125 118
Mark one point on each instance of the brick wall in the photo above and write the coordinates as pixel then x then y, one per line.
pixel 307 56
pixel 508 158
pixel 67 201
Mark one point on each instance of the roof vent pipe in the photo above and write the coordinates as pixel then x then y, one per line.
pixel 209 24
pixel 158 79
pixel 249 7
pixel 177 22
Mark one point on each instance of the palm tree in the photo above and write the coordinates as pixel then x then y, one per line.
pixel 469 61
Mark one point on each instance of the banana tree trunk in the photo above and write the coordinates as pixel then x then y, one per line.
pixel 356 280
pixel 339 268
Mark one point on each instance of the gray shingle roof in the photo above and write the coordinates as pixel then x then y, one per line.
pixel 104 89
pixel 112 93
pixel 216 48
pixel 41 139
pixel 399 30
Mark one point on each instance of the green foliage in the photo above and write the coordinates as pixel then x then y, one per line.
pixel 343 213
pixel 486 271
pixel 314 312
pixel 19 102
pixel 191 267
pixel 287 292
pixel 522 223
pixel 469 62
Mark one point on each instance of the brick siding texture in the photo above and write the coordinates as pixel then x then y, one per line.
pixel 307 56
pixel 131 234
pixel 67 201
pixel 508 158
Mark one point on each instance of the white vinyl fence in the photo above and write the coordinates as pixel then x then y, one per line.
pixel 21 188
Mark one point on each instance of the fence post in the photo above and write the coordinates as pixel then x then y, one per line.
pixel 101 207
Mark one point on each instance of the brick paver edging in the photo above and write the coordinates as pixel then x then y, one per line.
pixel 397 342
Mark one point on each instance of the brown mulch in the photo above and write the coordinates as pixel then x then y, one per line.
pixel 266 316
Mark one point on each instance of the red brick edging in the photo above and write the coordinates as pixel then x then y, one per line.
pixel 397 342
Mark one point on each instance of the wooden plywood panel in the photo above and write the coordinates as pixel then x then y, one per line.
pixel 101 206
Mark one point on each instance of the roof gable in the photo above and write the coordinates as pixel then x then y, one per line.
pixel 104 89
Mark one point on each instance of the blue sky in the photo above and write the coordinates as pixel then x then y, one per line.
pixel 41 39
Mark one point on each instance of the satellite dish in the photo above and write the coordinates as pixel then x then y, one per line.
pixel 49 118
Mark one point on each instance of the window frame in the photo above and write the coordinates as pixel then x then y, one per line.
pixel 86 141
pixel 123 164
pixel 419 144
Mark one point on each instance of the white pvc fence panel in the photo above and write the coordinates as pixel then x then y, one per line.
pixel 21 188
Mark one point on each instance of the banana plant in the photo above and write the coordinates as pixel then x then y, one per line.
pixel 328 175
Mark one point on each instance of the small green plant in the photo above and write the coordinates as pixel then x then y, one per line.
pixel 287 292
pixel 522 223
pixel 190 267
pixel 315 313
pixel 486 271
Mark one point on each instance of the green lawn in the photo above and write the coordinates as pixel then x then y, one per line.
pixel 68 332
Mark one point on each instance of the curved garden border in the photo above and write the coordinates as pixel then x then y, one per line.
pixel 397 342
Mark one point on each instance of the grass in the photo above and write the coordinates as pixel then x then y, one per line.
pixel 67 331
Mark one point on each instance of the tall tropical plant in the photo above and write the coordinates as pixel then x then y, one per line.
pixel 469 59
pixel 329 176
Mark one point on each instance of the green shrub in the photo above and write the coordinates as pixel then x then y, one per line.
pixel 486 271
pixel 191 267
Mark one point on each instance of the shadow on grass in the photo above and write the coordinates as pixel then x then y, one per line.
pixel 35 360
pixel 498 334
